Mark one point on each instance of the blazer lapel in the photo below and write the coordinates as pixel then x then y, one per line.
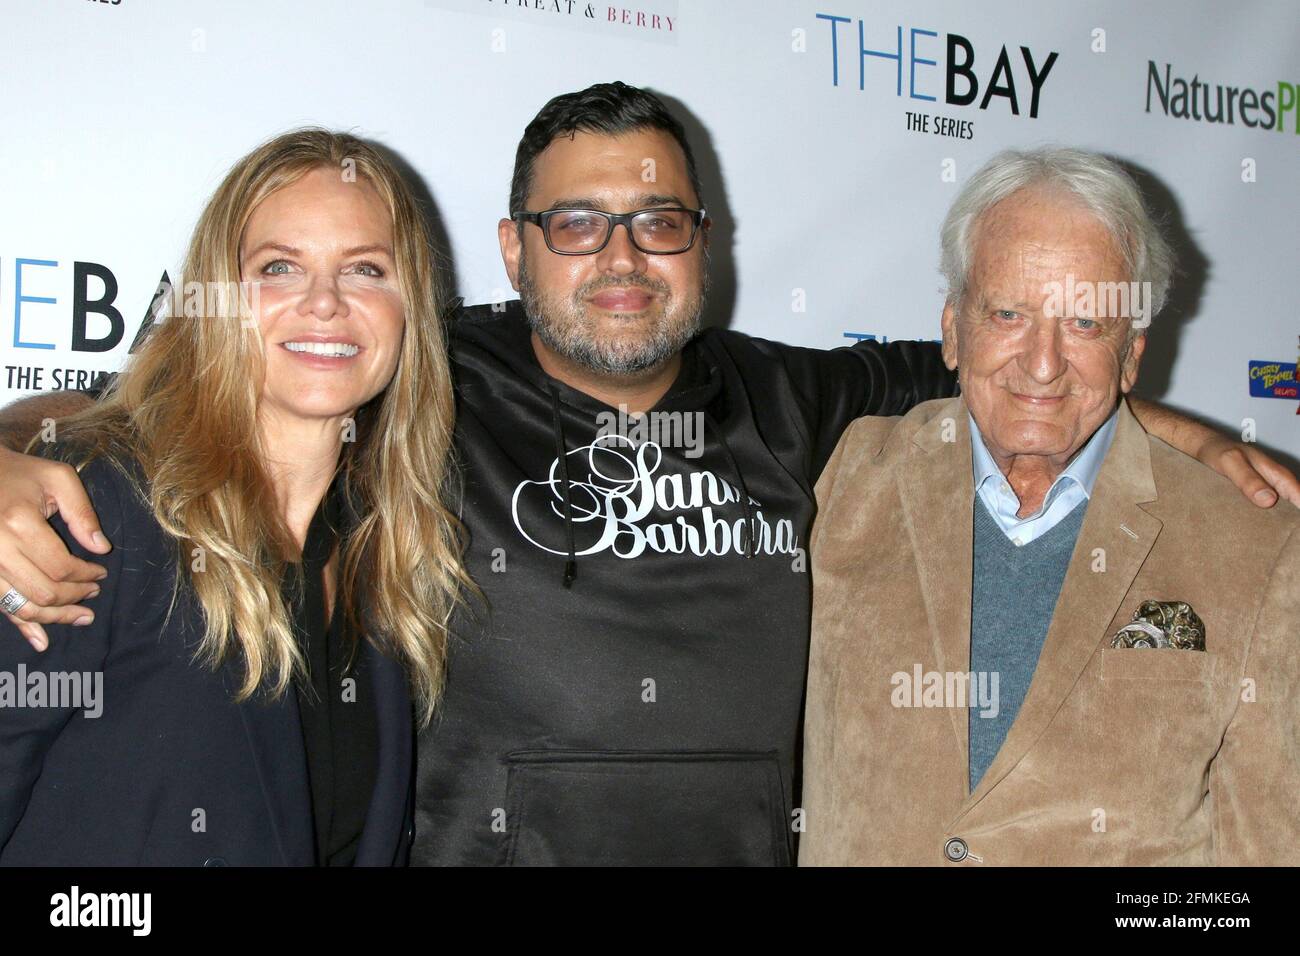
pixel 1116 531
pixel 274 731
pixel 384 836
pixel 937 492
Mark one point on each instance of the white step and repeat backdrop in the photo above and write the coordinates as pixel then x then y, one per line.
pixel 832 135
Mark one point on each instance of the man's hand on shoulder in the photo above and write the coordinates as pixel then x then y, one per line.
pixel 33 560
pixel 1258 476
pixel 1262 479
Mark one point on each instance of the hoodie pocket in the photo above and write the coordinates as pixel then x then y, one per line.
pixel 645 808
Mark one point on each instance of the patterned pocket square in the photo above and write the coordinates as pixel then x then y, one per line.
pixel 1163 624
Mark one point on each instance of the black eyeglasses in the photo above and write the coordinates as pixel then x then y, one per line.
pixel 583 232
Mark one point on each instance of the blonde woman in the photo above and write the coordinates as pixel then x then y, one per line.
pixel 270 468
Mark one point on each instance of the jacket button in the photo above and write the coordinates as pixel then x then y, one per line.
pixel 214 861
pixel 956 850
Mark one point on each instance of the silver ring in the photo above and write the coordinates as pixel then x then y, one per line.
pixel 12 601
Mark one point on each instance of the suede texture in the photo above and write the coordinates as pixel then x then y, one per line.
pixel 1118 756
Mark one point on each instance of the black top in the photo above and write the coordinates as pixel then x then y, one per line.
pixel 336 703
pixel 630 689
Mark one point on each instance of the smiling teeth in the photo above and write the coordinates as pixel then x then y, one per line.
pixel 335 349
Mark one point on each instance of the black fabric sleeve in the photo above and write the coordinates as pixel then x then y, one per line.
pixel 835 386
pixel 97 385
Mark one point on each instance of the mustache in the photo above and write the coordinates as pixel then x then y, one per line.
pixel 634 281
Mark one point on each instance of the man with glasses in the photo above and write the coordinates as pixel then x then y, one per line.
pixel 637 494
pixel 630 691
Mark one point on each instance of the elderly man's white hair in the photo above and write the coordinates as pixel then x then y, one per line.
pixel 1099 184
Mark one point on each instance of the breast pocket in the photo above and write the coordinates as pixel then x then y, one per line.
pixel 1147 727
pixel 1156 664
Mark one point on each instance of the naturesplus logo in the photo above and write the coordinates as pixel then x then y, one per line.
pixel 1196 99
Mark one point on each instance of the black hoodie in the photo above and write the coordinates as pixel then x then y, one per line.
pixel 630 688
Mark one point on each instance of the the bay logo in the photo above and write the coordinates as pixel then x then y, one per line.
pixel 968 80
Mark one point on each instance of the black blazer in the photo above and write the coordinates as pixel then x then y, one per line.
pixel 171 771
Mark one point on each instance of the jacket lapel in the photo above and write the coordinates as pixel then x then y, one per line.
pixel 274 731
pixel 937 492
pixel 1117 530
pixel 384 836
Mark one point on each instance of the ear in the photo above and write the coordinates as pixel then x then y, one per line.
pixel 1128 374
pixel 512 248
pixel 949 325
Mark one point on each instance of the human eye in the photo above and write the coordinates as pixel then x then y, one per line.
pixel 661 220
pixel 369 269
pixel 276 267
pixel 578 223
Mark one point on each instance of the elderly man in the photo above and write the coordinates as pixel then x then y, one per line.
pixel 1040 635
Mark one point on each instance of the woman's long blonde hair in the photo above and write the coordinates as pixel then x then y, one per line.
pixel 186 409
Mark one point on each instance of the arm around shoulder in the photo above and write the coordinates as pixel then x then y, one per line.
pixel 22 419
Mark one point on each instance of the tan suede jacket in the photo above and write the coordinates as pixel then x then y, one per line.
pixel 1118 756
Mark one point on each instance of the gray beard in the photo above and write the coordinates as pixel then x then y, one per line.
pixel 564 329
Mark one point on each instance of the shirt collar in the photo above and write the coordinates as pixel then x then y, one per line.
pixel 1082 469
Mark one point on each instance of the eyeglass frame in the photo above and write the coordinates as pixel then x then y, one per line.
pixel 615 219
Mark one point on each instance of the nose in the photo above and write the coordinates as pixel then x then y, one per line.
pixel 322 299
pixel 1042 358
pixel 620 256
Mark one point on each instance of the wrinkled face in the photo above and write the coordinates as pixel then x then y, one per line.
pixel 618 311
pixel 329 308
pixel 1037 380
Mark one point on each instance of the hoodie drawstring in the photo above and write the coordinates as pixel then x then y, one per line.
pixel 562 458
pixel 740 480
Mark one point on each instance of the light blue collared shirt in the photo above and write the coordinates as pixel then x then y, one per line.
pixel 1070 487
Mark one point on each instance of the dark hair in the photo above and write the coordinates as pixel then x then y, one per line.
pixel 606 108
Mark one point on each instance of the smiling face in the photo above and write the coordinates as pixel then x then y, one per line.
pixel 618 311
pixel 1038 383
pixel 329 307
